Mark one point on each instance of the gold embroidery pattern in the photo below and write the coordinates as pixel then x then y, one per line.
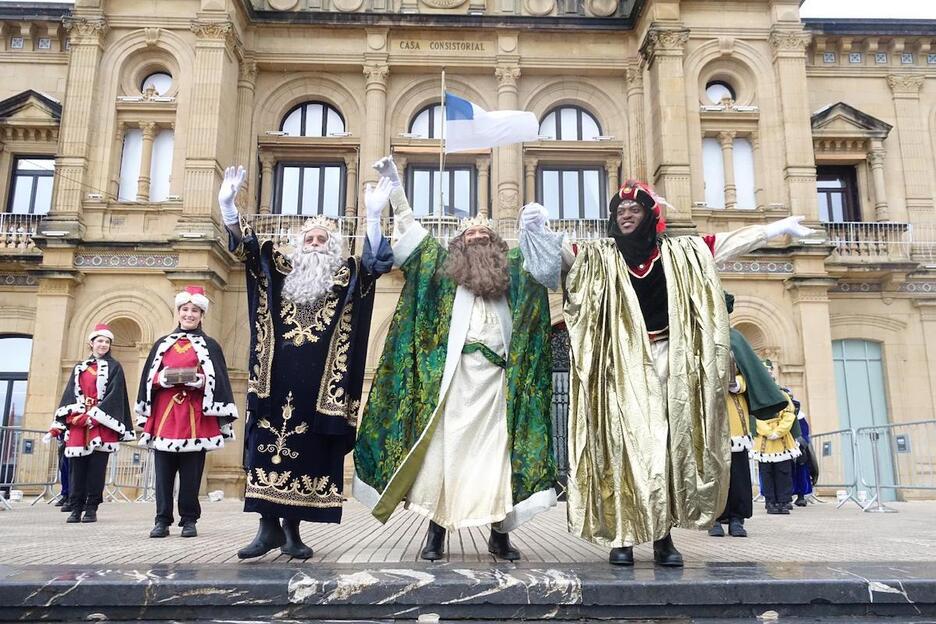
pixel 181 348
pixel 331 396
pixel 302 491
pixel 308 321
pixel 342 276
pixel 259 381
pixel 282 262
pixel 280 450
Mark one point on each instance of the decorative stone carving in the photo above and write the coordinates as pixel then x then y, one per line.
pixel 789 40
pixel 633 75
pixel 349 6
pixel 509 200
pixel 151 35
pixel 283 5
pixel 539 8
pixel 219 31
pixel 876 158
pixel 660 42
pixel 84 30
pixel 905 83
pixel 247 72
pixel 602 8
pixel 443 4
pixel 507 75
pixel 376 75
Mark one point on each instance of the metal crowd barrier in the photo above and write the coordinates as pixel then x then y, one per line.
pixel 26 461
pixel 132 467
pixel 910 450
pixel 837 455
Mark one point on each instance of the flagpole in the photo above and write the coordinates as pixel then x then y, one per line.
pixel 442 149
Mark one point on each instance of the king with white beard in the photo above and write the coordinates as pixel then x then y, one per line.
pixel 310 313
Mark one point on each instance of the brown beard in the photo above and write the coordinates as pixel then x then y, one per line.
pixel 481 267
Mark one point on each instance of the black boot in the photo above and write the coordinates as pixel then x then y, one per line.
pixel 623 556
pixel 161 529
pixel 66 506
pixel 435 543
pixel 736 528
pixel 665 553
pixel 499 546
pixel 294 547
pixel 772 509
pixel 74 517
pixel 90 515
pixel 188 529
pixel 61 501
pixel 800 501
pixel 269 536
pixel 717 530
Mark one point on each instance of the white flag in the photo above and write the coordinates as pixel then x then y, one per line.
pixel 470 127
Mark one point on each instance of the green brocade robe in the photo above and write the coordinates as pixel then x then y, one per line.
pixel 404 404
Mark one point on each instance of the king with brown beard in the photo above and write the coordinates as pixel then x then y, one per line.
pixel 457 425
pixel 310 313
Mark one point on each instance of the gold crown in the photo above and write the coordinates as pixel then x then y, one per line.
pixel 478 221
pixel 320 222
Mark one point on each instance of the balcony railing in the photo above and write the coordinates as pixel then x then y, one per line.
pixel 923 243
pixel 871 242
pixel 17 232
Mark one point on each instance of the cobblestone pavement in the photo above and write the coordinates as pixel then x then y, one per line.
pixel 819 533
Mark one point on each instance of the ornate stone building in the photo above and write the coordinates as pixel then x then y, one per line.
pixel 117 118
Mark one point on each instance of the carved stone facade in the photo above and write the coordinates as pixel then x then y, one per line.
pixel 805 99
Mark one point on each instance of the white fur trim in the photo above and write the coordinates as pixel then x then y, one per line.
pixel 106 420
pixel 93 445
pixel 405 244
pixel 185 297
pixel 188 445
pixel 741 443
pixel 227 431
pixel 523 511
pixel 775 458
pixel 101 332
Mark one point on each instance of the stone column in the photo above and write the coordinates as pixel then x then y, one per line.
pixel 374 141
pixel 636 133
pixel 266 182
pixel 246 88
pixel 508 156
pixel 789 59
pixel 915 154
pixel 529 168
pixel 727 149
pixel 611 167
pixel 146 161
pixel 811 310
pixel 662 51
pixel 876 162
pixel 213 102
pixel 759 171
pixel 351 193
pixel 116 159
pixel 79 113
pixel 483 166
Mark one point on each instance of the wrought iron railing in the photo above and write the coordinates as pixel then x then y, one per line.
pixel 871 242
pixel 17 232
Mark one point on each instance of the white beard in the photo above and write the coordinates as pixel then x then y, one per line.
pixel 313 274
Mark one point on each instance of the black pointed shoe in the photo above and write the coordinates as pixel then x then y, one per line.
pixel 800 501
pixel 160 530
pixel 499 546
pixel 61 501
pixel 75 516
pixel 736 528
pixel 294 546
pixel 665 553
pixel 188 529
pixel 623 556
pixel 435 543
pixel 90 515
pixel 269 536
pixel 66 507
pixel 717 530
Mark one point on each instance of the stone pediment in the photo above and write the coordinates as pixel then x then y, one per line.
pixel 30 116
pixel 843 121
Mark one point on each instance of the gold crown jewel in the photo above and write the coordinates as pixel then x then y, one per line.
pixel 320 222
pixel 478 221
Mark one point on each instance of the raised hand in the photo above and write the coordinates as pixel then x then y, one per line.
pixel 792 226
pixel 233 179
pixel 533 217
pixel 387 169
pixel 376 199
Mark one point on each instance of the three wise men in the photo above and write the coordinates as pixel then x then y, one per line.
pixel 92 418
pixel 648 433
pixel 457 423
pixel 186 408
pixel 310 314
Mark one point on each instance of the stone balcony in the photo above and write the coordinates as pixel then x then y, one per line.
pixel 17 232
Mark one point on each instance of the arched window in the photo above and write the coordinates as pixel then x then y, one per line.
pixel 427 123
pixel 15 352
pixel 570 123
pixel 313 119
pixel 160 81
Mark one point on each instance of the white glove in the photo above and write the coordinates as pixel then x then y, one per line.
pixel 161 379
pixel 533 217
pixel 233 178
pixel 376 200
pixel 789 225
pixel 387 169
pixel 773 436
pixel 198 383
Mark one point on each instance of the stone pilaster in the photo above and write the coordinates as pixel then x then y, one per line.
pixel 726 139
pixel 876 163
pixel 529 171
pixel 246 89
pixel 351 194
pixel 374 141
pixel 612 166
pixel 266 182
pixel 79 116
pixel 915 154
pixel 508 156
pixel 789 59
pixel 663 52
pixel 483 167
pixel 146 161
pixel 636 131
